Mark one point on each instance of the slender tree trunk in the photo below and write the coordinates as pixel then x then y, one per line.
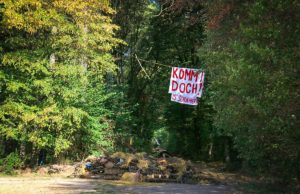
pixel 226 150
pixel 23 150
pixel 2 147
pixel 210 151
pixel 34 156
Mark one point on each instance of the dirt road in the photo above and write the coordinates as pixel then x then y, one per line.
pixel 57 185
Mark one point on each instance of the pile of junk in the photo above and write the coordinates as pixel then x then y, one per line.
pixel 136 167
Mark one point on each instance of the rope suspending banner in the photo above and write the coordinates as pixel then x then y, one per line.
pixel 155 63
pixel 142 66
pixel 160 64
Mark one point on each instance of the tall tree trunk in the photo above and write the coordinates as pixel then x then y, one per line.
pixel 226 150
pixel 210 151
pixel 23 150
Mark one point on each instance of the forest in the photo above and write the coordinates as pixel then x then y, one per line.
pixel 91 77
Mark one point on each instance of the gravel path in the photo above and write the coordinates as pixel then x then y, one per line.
pixel 171 188
pixel 57 185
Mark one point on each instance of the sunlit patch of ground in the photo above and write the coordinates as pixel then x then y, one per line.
pixel 57 185
pixel 165 188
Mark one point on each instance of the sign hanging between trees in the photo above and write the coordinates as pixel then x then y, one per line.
pixel 186 85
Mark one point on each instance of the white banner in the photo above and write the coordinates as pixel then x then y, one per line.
pixel 186 85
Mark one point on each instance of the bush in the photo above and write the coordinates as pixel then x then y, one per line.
pixel 10 162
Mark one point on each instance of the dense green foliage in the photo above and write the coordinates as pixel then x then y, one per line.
pixel 253 51
pixel 10 162
pixel 70 86
pixel 54 56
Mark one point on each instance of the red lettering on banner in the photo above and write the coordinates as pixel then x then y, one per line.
pixel 181 73
pixel 190 73
pixel 194 88
pixel 188 91
pixel 184 99
pixel 174 74
pixel 195 75
pixel 187 73
pixel 186 88
pixel 182 89
pixel 174 96
pixel 201 79
pixel 174 83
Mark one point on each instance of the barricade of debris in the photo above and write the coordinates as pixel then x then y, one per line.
pixel 135 167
